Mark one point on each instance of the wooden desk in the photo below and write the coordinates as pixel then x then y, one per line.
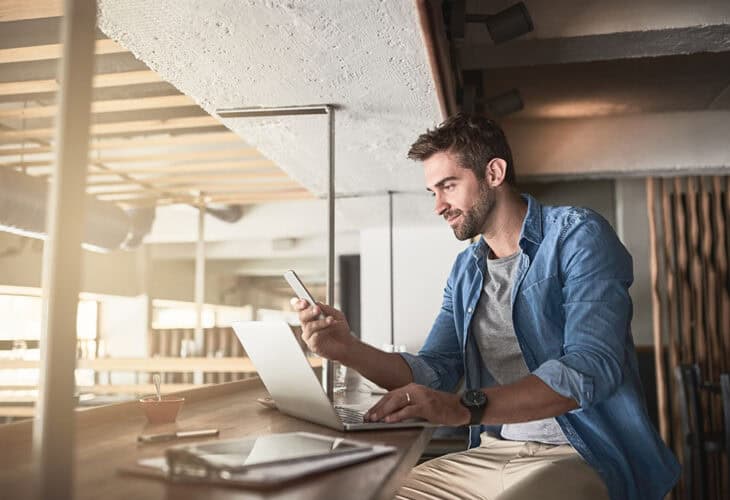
pixel 106 440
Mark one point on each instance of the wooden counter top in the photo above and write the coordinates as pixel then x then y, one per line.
pixel 106 440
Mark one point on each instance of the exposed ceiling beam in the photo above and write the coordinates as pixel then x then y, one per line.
pixel 199 138
pixel 621 146
pixel 599 47
pixel 53 51
pixel 18 10
pixel 103 80
pixel 110 106
pixel 139 127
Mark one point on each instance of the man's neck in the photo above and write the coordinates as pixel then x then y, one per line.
pixel 503 234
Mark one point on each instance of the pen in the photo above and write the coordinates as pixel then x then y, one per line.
pixel 168 436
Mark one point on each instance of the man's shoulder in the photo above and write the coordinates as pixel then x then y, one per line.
pixel 565 220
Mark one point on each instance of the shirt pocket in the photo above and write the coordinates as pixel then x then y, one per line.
pixel 540 316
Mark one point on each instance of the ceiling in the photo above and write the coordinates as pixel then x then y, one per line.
pixel 610 89
pixel 151 145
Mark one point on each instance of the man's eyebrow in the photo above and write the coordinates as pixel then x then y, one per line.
pixel 442 182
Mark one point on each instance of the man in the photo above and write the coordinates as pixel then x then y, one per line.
pixel 536 320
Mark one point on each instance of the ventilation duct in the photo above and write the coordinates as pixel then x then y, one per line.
pixel 23 202
pixel 226 213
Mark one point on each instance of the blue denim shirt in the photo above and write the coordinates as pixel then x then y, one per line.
pixel 572 316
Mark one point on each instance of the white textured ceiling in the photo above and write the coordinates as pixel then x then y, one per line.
pixel 366 57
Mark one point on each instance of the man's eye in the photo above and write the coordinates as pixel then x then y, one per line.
pixel 449 187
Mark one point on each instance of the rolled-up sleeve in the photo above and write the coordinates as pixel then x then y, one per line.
pixel 597 273
pixel 566 381
pixel 422 372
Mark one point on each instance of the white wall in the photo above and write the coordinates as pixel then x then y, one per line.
pixel 422 259
pixel 632 226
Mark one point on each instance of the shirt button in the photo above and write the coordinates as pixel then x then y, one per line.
pixel 469 310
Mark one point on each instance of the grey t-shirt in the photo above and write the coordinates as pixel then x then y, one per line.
pixel 495 335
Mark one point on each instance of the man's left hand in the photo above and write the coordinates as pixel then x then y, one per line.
pixel 419 401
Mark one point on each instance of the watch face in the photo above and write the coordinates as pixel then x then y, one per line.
pixel 474 398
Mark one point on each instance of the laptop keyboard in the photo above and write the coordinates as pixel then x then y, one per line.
pixel 349 415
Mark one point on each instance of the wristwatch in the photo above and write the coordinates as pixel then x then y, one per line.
pixel 476 402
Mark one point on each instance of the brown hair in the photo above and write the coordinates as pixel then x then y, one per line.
pixel 474 139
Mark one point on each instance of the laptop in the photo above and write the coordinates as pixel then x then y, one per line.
pixel 296 389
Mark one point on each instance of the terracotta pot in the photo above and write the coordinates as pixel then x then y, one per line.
pixel 163 411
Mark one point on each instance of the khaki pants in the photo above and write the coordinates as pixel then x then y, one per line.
pixel 506 470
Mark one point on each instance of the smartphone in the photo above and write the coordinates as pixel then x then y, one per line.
pixel 291 277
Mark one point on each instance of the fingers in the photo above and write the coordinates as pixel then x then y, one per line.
pixel 313 326
pixel 329 311
pixel 392 403
pixel 409 411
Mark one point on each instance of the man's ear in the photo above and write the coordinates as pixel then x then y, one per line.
pixel 495 172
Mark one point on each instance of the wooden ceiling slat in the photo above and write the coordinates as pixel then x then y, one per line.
pixel 103 170
pixel 175 140
pixel 136 143
pixel 103 80
pixel 129 197
pixel 215 154
pixel 200 177
pixel 110 106
pixel 195 167
pixel 139 127
pixel 19 10
pixel 211 189
pixel 182 155
pixel 53 51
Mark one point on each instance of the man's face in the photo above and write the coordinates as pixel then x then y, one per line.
pixel 460 198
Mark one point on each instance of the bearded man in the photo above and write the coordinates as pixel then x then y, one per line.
pixel 536 324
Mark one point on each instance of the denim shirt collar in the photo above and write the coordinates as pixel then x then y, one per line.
pixel 531 229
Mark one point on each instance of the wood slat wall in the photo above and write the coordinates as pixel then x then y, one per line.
pixel 691 294
pixel 219 342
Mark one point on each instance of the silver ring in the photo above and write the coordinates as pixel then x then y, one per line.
pixel 408 398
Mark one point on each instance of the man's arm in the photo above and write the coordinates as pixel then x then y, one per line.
pixel 330 337
pixel 525 400
pixel 388 370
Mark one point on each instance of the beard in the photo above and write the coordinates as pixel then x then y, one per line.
pixel 476 217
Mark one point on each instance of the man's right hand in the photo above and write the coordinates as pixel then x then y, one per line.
pixel 328 336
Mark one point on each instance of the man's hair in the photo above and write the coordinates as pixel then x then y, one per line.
pixel 473 139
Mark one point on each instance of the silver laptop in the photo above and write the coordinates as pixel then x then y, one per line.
pixel 285 371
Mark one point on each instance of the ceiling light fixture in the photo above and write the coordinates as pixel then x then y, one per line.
pixel 473 101
pixel 503 26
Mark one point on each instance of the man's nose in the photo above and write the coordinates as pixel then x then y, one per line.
pixel 440 206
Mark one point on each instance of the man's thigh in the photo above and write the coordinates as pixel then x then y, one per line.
pixel 505 470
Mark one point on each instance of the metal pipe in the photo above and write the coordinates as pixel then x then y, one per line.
pixel 54 427
pixel 390 267
pixel 316 109
pixel 200 280
pixel 253 112
pixel 328 369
